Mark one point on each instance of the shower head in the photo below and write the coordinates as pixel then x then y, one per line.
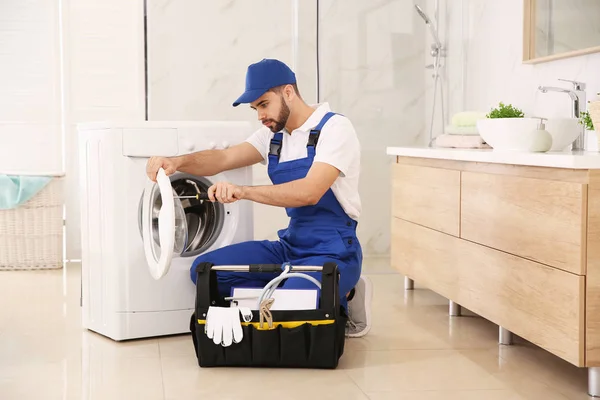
pixel 432 29
pixel 422 14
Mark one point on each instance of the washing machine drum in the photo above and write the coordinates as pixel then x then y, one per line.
pixel 175 221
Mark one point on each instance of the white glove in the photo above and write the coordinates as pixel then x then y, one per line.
pixel 230 319
pixel 223 324
pixel 214 326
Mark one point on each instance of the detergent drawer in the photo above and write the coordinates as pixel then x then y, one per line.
pixel 148 142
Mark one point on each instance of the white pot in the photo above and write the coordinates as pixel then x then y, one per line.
pixel 514 134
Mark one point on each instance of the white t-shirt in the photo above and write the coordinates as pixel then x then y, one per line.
pixel 338 146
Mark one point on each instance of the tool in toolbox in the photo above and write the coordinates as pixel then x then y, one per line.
pixel 231 336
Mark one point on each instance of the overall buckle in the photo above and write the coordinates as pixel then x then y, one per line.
pixel 313 138
pixel 275 148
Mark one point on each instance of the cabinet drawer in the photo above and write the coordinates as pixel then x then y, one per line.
pixel 540 220
pixel 427 196
pixel 541 304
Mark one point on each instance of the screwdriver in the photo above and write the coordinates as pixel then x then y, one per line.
pixel 199 196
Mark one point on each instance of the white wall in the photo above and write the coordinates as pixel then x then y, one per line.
pixel 30 87
pixel 495 72
pixel 483 67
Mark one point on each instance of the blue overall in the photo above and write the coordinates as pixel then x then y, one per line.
pixel 316 234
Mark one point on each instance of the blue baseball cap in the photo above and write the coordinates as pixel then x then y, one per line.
pixel 262 76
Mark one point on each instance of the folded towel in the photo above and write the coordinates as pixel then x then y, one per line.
pixel 467 118
pixel 461 142
pixel 16 190
pixel 462 130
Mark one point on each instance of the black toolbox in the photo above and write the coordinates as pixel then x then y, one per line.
pixel 297 338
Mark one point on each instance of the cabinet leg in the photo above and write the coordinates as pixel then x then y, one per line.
pixel 455 310
pixel 505 336
pixel 409 284
pixel 594 381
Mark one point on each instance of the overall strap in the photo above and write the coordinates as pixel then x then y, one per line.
pixel 275 146
pixel 313 137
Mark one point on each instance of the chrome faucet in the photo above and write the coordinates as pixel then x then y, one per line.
pixel 577 95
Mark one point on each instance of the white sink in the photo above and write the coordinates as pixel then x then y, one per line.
pixel 512 134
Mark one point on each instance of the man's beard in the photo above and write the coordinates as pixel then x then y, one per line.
pixel 281 120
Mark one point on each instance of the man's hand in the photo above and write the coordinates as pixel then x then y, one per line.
pixel 225 192
pixel 170 165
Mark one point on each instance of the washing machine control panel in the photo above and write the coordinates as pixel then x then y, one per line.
pixel 212 135
pixel 188 146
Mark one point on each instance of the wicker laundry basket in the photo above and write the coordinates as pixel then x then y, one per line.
pixel 31 235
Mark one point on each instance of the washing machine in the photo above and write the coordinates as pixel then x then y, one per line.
pixel 139 237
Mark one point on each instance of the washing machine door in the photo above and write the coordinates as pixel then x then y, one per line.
pixel 164 228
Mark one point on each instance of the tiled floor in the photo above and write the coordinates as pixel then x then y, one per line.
pixel 414 352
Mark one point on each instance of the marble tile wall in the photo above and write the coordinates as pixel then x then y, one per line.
pixel 199 51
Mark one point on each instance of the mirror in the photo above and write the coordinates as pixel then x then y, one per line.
pixel 555 29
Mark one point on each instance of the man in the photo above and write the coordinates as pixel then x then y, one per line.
pixel 313 158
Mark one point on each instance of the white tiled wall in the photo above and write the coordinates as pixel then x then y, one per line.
pixel 64 62
pixel 30 87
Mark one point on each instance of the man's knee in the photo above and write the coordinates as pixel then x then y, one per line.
pixel 249 252
pixel 217 256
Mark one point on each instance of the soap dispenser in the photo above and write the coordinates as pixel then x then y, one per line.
pixel 540 138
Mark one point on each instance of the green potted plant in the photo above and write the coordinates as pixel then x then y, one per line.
pixel 585 119
pixel 505 111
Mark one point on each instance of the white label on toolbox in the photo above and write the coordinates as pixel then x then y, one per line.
pixel 285 299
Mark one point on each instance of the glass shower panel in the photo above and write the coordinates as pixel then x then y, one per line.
pixel 372 69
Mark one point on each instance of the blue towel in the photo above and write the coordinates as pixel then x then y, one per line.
pixel 16 190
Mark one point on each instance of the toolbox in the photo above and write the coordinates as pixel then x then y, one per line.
pixel 290 338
